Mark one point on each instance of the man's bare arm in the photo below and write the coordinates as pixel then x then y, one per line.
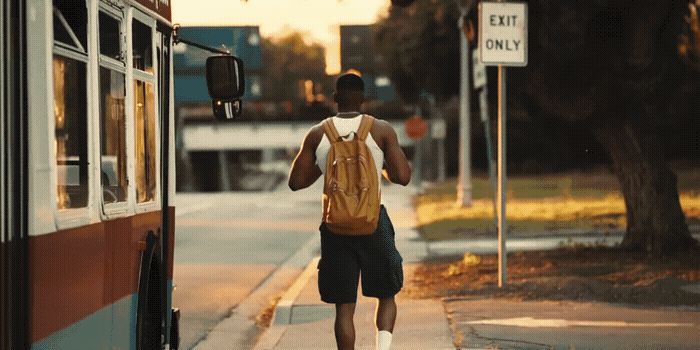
pixel 304 169
pixel 397 169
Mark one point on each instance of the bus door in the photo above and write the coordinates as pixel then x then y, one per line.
pixel 167 181
pixel 13 178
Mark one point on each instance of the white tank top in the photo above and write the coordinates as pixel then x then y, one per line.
pixel 345 127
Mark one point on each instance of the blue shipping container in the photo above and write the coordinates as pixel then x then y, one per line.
pixel 189 62
pixel 193 88
pixel 243 42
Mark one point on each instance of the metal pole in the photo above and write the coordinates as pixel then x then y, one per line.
pixel 177 39
pixel 464 186
pixel 486 119
pixel 502 225
pixel 436 116
pixel 418 161
pixel 225 177
pixel 441 154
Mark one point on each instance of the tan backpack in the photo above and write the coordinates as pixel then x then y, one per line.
pixel 351 186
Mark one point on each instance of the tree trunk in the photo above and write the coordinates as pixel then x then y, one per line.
pixel 655 221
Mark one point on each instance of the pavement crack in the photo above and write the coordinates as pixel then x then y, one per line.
pixel 495 343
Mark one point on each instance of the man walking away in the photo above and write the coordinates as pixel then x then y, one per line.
pixel 351 150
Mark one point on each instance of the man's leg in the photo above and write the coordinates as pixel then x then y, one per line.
pixel 344 326
pixel 385 319
pixel 382 278
pixel 386 314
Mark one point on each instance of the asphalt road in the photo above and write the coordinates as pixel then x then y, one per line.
pixel 226 244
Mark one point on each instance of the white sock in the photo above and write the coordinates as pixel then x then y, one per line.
pixel 384 340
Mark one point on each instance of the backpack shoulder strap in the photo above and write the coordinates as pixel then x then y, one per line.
pixel 365 126
pixel 330 130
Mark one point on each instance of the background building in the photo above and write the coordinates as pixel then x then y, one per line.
pixel 287 92
pixel 205 170
pixel 357 52
pixel 189 62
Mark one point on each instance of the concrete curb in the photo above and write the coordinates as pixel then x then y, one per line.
pixel 283 310
pixel 242 318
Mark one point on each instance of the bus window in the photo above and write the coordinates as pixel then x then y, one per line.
pixel 110 37
pixel 142 46
pixel 112 111
pixel 70 23
pixel 144 115
pixel 70 103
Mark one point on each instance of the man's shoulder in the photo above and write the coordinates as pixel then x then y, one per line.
pixel 315 134
pixel 381 123
pixel 381 127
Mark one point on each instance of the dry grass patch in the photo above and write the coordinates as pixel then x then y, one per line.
pixel 536 205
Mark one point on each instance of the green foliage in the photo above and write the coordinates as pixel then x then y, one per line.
pixel 420 46
pixel 585 57
pixel 288 60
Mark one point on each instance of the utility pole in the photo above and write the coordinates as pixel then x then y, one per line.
pixel 480 82
pixel 464 184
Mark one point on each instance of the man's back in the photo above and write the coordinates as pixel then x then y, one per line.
pixel 348 128
pixel 307 167
pixel 345 257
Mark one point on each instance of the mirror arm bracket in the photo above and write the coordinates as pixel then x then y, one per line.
pixel 177 39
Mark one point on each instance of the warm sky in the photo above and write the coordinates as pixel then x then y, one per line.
pixel 318 18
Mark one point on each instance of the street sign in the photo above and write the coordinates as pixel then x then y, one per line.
pixel 416 127
pixel 438 129
pixel 502 43
pixel 479 70
pixel 503 33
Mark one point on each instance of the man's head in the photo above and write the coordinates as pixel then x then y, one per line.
pixel 349 92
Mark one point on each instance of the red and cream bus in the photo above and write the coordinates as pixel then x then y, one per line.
pixel 87 174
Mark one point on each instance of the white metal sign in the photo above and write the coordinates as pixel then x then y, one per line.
pixel 479 70
pixel 503 33
pixel 438 129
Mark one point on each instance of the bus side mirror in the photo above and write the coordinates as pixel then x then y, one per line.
pixel 227 110
pixel 226 85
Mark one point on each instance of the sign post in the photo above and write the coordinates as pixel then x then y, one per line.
pixel 502 42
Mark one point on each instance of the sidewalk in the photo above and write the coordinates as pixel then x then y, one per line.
pixel 515 324
pixel 302 321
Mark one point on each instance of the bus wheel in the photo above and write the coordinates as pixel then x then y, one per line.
pixel 150 303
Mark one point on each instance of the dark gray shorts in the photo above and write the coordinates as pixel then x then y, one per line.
pixel 344 258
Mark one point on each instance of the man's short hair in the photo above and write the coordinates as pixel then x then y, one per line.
pixel 349 82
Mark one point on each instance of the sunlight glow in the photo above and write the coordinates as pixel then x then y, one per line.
pixel 557 209
pixel 318 18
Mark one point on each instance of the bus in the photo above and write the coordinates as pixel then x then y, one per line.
pixel 87 173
